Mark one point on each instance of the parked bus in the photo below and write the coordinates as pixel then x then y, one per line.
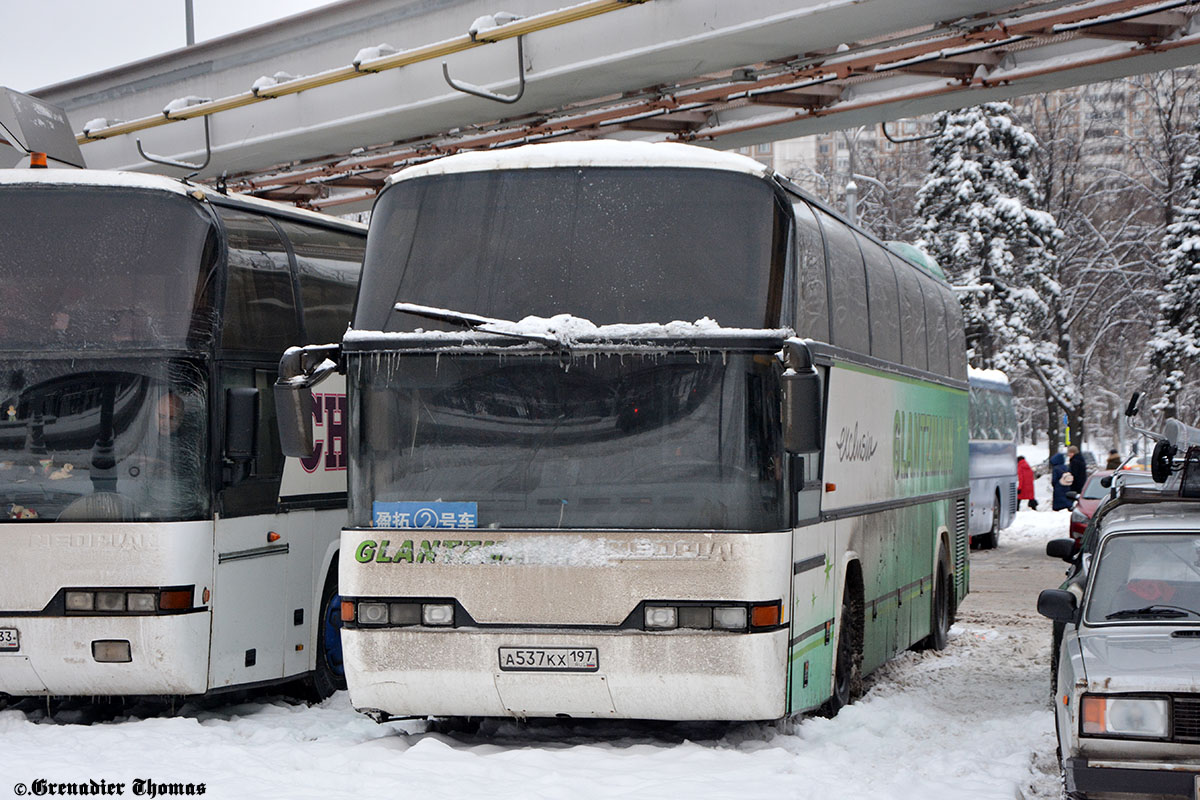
pixel 614 514
pixel 993 456
pixel 153 539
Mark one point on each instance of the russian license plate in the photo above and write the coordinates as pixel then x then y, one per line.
pixel 549 659
pixel 10 639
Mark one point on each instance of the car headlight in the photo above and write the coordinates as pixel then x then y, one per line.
pixel 1145 717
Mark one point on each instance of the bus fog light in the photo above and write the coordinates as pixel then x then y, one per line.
pixel 695 617
pixel 404 613
pixel 372 613
pixel 661 617
pixel 437 614
pixel 81 601
pixel 110 601
pixel 730 619
pixel 145 602
pixel 111 651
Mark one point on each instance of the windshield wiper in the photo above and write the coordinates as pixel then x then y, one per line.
pixel 1163 611
pixel 475 322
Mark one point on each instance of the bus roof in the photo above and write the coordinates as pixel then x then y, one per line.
pixel 159 183
pixel 604 153
pixel 993 376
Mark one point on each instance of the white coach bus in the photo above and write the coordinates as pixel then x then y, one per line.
pixel 153 539
pixel 611 514
pixel 992 464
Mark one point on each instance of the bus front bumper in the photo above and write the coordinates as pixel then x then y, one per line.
pixel 678 675
pixel 58 656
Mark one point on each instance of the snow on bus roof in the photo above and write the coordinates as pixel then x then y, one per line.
pixel 987 375
pixel 161 183
pixel 600 153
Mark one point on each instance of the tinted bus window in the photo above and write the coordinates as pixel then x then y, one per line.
pixel 912 316
pixel 328 264
pixel 848 287
pixel 935 320
pixel 955 336
pixel 260 305
pixel 812 317
pixel 882 294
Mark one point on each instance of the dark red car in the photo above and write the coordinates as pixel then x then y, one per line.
pixel 1094 492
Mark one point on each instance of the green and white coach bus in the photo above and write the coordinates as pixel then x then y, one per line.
pixel 566 502
pixel 153 539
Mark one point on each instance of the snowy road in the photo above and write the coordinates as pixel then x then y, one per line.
pixel 971 722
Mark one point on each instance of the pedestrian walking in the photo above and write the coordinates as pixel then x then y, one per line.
pixel 1025 484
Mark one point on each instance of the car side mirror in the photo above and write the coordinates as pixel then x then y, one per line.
pixel 1061 548
pixel 1057 604
pixel 1072 496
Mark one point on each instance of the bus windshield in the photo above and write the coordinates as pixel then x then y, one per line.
pixel 102 269
pixel 102 440
pixel 641 441
pixel 611 245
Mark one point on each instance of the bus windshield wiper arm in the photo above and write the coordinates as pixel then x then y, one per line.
pixel 475 322
pixel 1153 611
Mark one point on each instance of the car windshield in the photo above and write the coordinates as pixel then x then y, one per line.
pixel 611 245
pixel 1146 578
pixel 102 440
pixel 103 268
pixel 642 441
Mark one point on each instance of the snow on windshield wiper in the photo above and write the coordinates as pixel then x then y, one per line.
pixel 475 322
pixel 1167 612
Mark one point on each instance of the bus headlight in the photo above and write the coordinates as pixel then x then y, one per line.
pixel 730 618
pixel 437 614
pixel 661 617
pixel 372 613
pixel 1144 717
pixel 81 601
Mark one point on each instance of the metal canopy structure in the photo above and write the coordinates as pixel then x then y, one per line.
pixel 319 108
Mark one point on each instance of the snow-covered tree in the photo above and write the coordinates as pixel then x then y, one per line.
pixel 980 217
pixel 1175 345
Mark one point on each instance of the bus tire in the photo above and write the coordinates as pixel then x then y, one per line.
pixel 328 676
pixel 941 612
pixel 992 538
pixel 847 664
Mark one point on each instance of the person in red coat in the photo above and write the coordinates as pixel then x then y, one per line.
pixel 1025 483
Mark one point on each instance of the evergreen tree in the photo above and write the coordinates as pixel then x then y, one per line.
pixel 979 216
pixel 1175 344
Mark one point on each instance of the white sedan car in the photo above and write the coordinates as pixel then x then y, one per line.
pixel 1127 690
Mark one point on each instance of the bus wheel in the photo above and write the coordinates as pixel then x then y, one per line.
pixel 329 675
pixel 847 665
pixel 940 613
pixel 992 538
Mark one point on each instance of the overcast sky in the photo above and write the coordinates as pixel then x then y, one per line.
pixel 55 40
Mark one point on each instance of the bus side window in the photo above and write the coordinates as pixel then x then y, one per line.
pixel 260 304
pixel 935 321
pixel 849 323
pixel 882 297
pixel 912 316
pixel 812 315
pixel 328 264
pixel 955 336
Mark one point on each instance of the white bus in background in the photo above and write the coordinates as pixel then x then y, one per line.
pixel 993 459
pixel 153 539
pixel 615 515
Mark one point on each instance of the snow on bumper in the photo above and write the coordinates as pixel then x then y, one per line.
pixel 169 655
pixel 669 676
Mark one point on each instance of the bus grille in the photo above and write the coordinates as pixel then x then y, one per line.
pixel 1012 499
pixel 1186 718
pixel 961 544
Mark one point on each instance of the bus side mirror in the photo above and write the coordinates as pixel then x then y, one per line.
pixel 241 430
pixel 294 414
pixel 801 401
pixel 1131 410
pixel 1057 604
pixel 300 369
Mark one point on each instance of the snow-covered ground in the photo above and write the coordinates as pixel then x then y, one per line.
pixel 973 721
